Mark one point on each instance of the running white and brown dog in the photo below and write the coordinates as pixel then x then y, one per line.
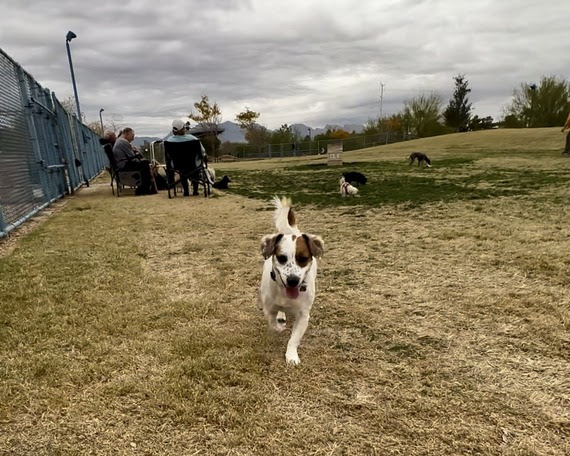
pixel 289 275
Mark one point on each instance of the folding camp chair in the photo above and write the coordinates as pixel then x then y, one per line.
pixel 121 179
pixel 188 159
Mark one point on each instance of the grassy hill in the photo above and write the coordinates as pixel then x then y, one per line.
pixel 473 166
pixel 547 141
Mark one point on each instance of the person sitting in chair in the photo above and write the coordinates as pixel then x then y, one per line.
pixel 179 135
pixel 108 141
pixel 127 159
pixel 108 138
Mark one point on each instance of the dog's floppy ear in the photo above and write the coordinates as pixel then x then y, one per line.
pixel 268 244
pixel 316 245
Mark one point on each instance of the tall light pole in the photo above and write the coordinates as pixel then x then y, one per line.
pixel 381 99
pixel 101 119
pixel 70 35
pixel 533 97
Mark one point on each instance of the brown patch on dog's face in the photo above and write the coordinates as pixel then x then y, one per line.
pixel 302 252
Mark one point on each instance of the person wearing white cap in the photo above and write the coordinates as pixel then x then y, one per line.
pixel 178 127
pixel 179 134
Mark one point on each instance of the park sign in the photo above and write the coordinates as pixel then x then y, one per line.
pixel 334 154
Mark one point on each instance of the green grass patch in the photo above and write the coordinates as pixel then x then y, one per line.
pixel 394 182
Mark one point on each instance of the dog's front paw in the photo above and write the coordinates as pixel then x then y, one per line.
pixel 292 358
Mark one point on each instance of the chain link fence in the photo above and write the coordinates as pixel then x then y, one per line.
pixel 45 152
pixel 242 151
pixel 249 152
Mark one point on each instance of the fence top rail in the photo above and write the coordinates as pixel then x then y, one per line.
pixel 19 66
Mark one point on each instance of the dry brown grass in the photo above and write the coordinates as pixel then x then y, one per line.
pixel 129 326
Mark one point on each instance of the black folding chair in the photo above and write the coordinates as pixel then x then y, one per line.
pixel 188 160
pixel 121 179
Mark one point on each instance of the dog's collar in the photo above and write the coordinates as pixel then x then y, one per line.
pixel 303 286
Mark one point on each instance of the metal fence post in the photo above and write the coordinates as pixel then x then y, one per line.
pixel 33 133
pixel 66 145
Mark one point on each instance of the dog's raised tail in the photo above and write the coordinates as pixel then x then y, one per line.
pixel 285 220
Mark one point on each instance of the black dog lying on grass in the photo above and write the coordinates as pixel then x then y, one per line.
pixel 222 183
pixel 355 177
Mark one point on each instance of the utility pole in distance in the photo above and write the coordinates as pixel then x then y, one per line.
pixel 381 98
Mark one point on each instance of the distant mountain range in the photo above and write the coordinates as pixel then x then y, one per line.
pixel 233 133
pixel 140 140
pixel 303 130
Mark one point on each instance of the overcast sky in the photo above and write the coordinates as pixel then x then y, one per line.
pixel 296 61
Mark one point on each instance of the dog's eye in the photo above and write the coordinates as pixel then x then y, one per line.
pixel 282 259
pixel 302 260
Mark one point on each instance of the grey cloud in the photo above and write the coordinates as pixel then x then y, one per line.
pixel 296 61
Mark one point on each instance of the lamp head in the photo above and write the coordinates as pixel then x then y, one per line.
pixel 101 110
pixel 70 35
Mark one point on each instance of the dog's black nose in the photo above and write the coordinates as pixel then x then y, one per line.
pixel 293 281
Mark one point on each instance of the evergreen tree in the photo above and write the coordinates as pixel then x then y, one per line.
pixel 283 135
pixel 458 111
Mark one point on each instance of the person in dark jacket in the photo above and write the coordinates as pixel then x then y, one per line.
pixel 179 134
pixel 108 141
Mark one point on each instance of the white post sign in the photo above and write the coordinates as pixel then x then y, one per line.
pixel 335 154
